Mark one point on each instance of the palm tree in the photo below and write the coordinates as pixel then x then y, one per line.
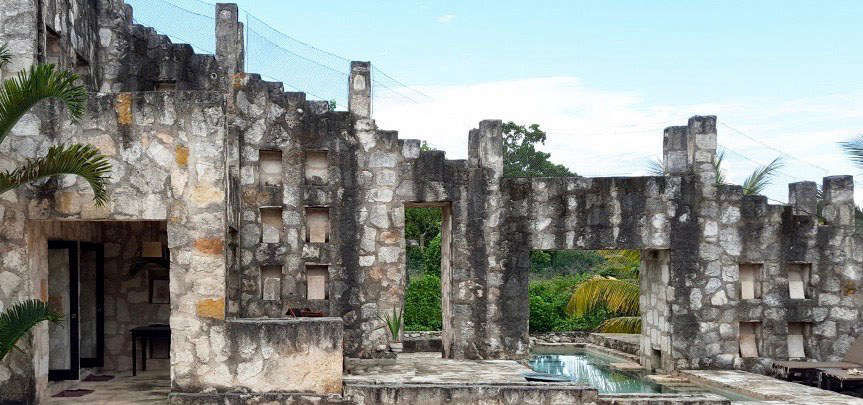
pixel 757 181
pixel 18 319
pixel 17 96
pixel 619 296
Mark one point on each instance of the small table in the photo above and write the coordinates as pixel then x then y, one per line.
pixel 146 334
pixel 838 379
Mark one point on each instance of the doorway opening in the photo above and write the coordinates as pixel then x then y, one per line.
pixel 428 235
pixel 110 282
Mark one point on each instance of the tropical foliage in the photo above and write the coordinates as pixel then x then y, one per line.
pixel 618 296
pixel 393 322
pixel 18 319
pixel 17 96
pixel 423 303
pixel 754 184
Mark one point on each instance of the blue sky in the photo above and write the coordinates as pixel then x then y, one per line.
pixel 604 77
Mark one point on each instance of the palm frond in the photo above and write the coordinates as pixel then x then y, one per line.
pixel 717 166
pixel 854 150
pixel 5 55
pixel 618 296
pixel 81 160
pixel 19 94
pixel 18 319
pixel 621 324
pixel 761 177
pixel 655 167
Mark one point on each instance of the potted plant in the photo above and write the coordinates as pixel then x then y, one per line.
pixel 394 325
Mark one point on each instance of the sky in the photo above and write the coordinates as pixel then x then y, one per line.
pixel 603 78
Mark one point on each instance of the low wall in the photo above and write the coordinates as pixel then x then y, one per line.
pixel 422 341
pixel 236 398
pixel 297 354
pixel 527 393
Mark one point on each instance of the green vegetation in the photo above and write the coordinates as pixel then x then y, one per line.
pixel 423 303
pixel 393 322
pixel 18 319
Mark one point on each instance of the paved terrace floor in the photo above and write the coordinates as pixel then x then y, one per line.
pixel 430 368
pixel 148 387
pixel 768 389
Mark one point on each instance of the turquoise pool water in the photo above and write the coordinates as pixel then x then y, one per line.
pixel 594 370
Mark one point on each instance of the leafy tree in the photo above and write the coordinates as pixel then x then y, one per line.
pixel 522 159
pixel 432 256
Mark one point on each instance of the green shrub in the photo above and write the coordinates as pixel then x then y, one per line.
pixel 423 303
pixel 431 256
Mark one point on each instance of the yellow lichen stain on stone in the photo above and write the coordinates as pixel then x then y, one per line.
pixel 237 80
pixel 182 156
pixel 211 308
pixel 67 202
pixel 123 108
pixel 204 195
pixel 212 246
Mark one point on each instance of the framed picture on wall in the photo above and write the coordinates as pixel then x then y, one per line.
pixel 160 291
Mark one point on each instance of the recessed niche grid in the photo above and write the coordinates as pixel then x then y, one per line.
pixel 796 340
pixel 270 162
pixel 798 280
pixel 748 335
pixel 750 280
pixel 317 224
pixel 316 281
pixel 317 167
pixel 271 283
pixel 271 224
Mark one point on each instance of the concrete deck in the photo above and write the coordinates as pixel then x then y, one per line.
pixel 148 387
pixel 430 368
pixel 768 389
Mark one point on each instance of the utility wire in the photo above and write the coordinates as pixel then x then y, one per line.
pixel 781 152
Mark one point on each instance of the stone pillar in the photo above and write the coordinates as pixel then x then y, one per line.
pixel 803 197
pixel 229 40
pixel 701 145
pixel 675 155
pixel 839 200
pixel 360 89
pixel 489 309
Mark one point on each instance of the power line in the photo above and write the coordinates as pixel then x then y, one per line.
pixel 773 149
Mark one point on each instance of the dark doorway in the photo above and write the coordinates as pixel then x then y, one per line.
pixel 63 360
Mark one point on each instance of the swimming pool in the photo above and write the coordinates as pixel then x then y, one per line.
pixel 594 369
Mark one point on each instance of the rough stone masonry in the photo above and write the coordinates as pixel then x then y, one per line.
pixel 272 202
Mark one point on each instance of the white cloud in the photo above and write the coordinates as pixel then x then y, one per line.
pixel 597 132
pixel 446 18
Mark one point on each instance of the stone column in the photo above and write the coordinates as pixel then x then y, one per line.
pixel 229 40
pixel 360 89
pixel 675 155
pixel 839 200
pixel 803 197
pixel 487 314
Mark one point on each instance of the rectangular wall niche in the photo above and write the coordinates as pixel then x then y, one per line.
pixel 749 332
pixel 271 167
pixel 316 281
pixel 796 341
pixel 798 280
pixel 750 280
pixel 317 167
pixel 271 224
pixel 317 224
pixel 271 283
